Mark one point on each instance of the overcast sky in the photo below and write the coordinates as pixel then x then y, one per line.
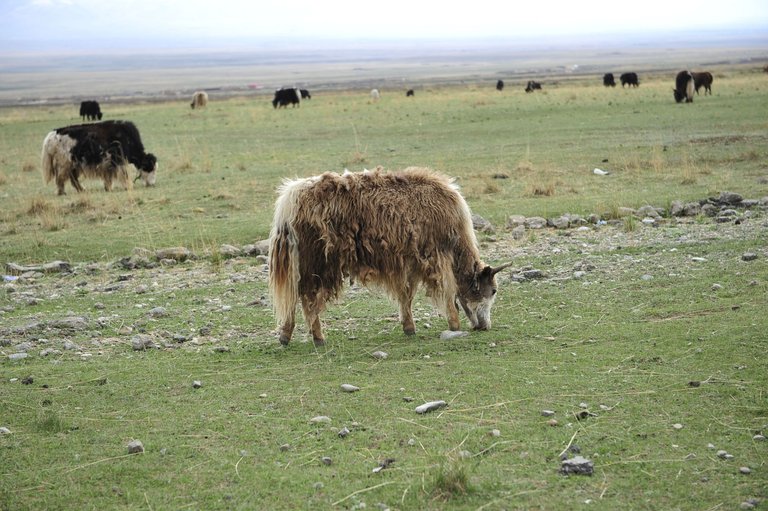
pixel 187 22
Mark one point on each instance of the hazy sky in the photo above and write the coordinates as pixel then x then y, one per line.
pixel 189 22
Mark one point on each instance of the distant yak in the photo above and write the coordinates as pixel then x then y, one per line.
pixel 703 79
pixel 608 80
pixel 629 79
pixel 500 85
pixel 199 100
pixel 532 86
pixel 684 87
pixel 100 150
pixel 285 97
pixel 90 110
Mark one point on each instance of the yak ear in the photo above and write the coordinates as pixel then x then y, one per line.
pixel 496 270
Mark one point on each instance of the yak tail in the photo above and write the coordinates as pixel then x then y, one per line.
pixel 284 272
pixel 49 170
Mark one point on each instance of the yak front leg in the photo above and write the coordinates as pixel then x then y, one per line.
pixel 453 316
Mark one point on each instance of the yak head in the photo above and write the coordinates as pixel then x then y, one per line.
pixel 147 168
pixel 679 96
pixel 477 297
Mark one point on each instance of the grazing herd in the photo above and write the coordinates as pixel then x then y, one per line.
pixel 397 230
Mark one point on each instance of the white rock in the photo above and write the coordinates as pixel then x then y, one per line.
pixel 320 419
pixel 346 387
pixel 677 426
pixel 135 447
pixel 600 172
pixel 4 431
pixel 381 355
pixel 430 406
pixel 447 335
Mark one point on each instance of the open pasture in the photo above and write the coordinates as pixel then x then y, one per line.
pixel 652 360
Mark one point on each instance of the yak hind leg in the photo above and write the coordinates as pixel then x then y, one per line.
pixel 406 312
pixel 286 331
pixel 312 307
pixel 75 183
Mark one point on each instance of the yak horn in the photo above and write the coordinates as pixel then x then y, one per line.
pixel 496 270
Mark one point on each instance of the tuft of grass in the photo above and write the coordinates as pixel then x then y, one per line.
pixel 38 206
pixel 50 422
pixel 450 481
pixel 28 167
pixel 540 189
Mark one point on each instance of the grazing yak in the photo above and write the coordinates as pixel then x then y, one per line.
pixel 90 110
pixel 375 95
pixel 684 86
pixel 396 230
pixel 609 80
pixel 101 150
pixel 703 79
pixel 532 86
pixel 500 85
pixel 199 100
pixel 629 79
pixel 305 94
pixel 285 97
pixel 410 94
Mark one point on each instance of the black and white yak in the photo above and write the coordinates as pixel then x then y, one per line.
pixel 101 150
pixel 285 97
pixel 90 110
pixel 532 86
pixel 684 86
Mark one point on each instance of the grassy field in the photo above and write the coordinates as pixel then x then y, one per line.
pixel 667 326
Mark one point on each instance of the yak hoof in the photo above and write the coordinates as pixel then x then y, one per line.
pixel 284 340
pixel 409 331
pixel 319 342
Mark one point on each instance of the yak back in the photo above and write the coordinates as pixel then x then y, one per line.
pixel 118 139
pixel 390 229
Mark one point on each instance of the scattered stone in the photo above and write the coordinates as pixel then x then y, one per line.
pixel 230 251
pixel 748 256
pixel 343 432
pixel 384 464
pixel 52 267
pixel 430 406
pixel 547 413
pixel 577 465
pixel 346 387
pixel 552 422
pixel 481 224
pixel 197 384
pixel 495 433
pixel 141 342
pixel 320 419
pixel 258 248
pixel 18 356
pixel 70 346
pixel 380 355
pixel 677 426
pixel 447 335
pixel 759 438
pixel 285 447
pixel 535 222
pixel 724 455
pixel 4 431
pixel 745 470
pixel 135 447
pixel 221 349
pixel 178 254
pixel 49 351
pixel 326 460
pixel 717 287
pixel 158 312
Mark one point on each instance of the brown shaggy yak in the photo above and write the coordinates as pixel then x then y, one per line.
pixel 396 230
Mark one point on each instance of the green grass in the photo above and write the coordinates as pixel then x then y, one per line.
pixel 630 335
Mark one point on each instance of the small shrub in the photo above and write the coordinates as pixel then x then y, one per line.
pixel 540 189
pixel 38 206
pixel 451 481
pixel 28 167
